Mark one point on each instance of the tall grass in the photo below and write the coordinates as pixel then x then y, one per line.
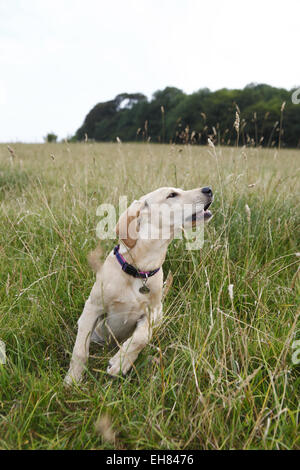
pixel 218 374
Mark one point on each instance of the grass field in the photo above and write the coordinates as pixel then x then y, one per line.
pixel 219 373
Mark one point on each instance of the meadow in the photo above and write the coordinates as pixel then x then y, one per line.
pixel 219 373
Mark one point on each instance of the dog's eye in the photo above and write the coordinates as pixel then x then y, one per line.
pixel 172 195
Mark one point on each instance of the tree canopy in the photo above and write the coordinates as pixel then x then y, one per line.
pixel 266 116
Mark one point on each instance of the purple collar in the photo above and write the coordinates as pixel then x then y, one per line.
pixel 131 270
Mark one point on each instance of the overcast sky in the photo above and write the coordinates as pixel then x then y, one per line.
pixel 58 58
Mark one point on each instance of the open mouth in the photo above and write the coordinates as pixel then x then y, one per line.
pixel 205 214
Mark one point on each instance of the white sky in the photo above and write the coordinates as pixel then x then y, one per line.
pixel 58 58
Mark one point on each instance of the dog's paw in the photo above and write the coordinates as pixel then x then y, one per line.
pixel 68 381
pixel 118 366
pixel 72 378
pixel 114 368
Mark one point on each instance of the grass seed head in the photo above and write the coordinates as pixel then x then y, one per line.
pixel 248 212
pixel 230 292
pixel 236 124
pixel 103 427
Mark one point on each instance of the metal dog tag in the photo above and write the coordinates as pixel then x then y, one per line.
pixel 144 289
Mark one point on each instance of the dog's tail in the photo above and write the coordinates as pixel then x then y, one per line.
pixel 94 259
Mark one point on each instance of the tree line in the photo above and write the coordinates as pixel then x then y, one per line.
pixel 258 115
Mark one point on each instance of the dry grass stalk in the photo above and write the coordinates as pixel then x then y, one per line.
pixel 167 284
pixel 295 278
pixel 11 151
pixel 210 143
pixel 248 212
pixel 236 125
pixel 281 122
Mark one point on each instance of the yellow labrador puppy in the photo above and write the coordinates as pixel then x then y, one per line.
pixel 126 300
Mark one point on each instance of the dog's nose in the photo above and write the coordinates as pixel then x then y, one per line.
pixel 207 191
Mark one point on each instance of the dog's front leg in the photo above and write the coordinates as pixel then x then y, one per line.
pixel 86 325
pixel 129 351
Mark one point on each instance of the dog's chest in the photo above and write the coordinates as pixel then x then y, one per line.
pixel 132 293
pixel 145 293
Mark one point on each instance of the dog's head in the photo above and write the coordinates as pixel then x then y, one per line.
pixel 159 214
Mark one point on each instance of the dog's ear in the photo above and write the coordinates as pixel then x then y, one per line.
pixel 128 227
